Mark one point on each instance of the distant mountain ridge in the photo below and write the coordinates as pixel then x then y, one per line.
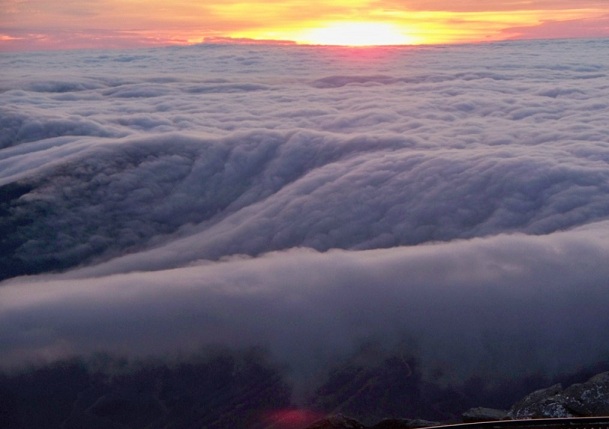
pixel 588 399
pixel 226 390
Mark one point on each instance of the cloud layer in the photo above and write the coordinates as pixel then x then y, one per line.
pixel 492 307
pixel 452 199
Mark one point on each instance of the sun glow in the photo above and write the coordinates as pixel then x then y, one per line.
pixel 357 34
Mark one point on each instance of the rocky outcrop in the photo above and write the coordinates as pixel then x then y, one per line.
pixel 579 400
pixel 541 403
pixel 404 424
pixel 587 399
pixel 481 414
pixel 590 398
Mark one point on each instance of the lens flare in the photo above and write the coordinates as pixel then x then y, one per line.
pixel 291 418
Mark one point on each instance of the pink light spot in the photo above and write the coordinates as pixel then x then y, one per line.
pixel 291 418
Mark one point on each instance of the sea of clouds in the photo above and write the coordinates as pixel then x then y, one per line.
pixel 452 201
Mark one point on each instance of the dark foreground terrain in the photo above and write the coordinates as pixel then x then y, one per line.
pixel 244 390
pixel 581 405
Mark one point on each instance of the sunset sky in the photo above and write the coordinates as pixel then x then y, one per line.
pixel 44 24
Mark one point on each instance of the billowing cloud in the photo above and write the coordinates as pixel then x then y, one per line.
pixel 491 307
pixel 452 201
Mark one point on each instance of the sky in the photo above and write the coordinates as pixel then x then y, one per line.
pixel 42 25
pixel 449 202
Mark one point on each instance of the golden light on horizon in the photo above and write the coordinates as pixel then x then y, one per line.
pixel 356 34
pixel 395 28
pixel 374 26
pixel 124 23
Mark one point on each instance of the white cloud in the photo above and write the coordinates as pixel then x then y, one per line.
pixel 454 196
pixel 493 307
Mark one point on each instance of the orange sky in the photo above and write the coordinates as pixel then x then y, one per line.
pixel 48 24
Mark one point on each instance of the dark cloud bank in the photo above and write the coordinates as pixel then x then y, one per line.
pixel 449 204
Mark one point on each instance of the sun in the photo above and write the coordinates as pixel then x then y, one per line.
pixel 357 34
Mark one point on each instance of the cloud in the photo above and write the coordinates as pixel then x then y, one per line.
pixel 21 127
pixel 453 199
pixel 504 5
pixel 510 304
pixel 255 192
pixel 584 27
